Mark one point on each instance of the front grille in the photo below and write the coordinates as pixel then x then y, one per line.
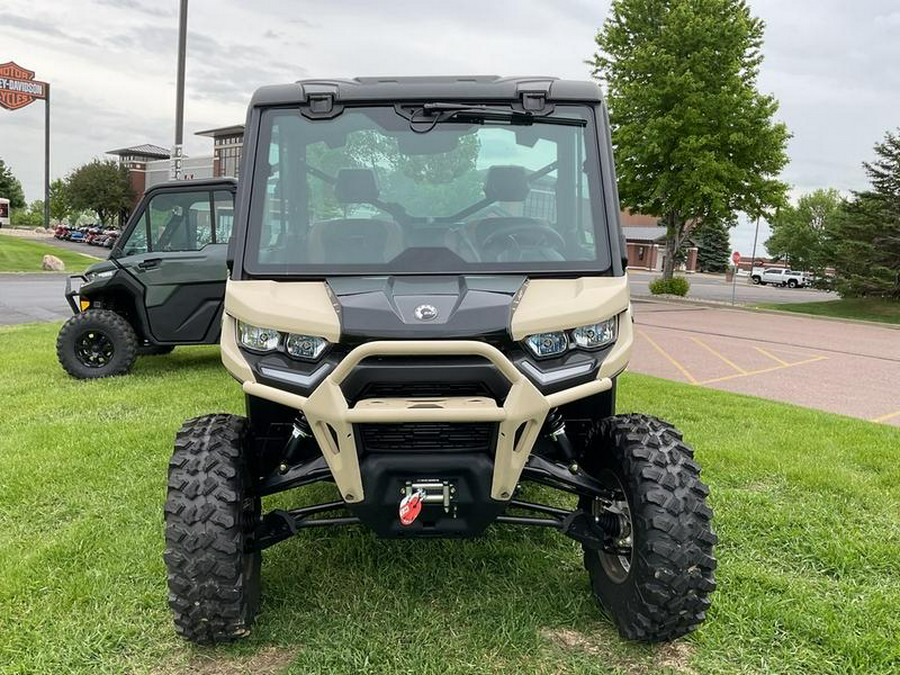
pixel 423 390
pixel 428 437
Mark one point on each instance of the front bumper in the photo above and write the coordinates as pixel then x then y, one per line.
pixel 73 291
pixel 519 419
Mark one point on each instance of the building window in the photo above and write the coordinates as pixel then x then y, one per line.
pixel 229 161
pixel 640 252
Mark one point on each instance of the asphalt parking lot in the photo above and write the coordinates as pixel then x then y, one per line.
pixel 25 298
pixel 842 367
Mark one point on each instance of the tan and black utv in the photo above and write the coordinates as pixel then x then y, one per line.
pixel 427 306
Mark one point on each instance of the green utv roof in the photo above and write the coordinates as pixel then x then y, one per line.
pixel 483 88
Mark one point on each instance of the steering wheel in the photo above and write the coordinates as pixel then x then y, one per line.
pixel 523 236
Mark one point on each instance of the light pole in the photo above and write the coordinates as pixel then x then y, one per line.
pixel 755 237
pixel 177 150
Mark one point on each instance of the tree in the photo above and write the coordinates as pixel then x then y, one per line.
pixel 11 188
pixel 695 141
pixel 33 216
pixel 800 233
pixel 713 245
pixel 102 187
pixel 59 200
pixel 865 239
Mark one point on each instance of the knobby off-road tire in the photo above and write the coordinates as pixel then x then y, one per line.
pixel 214 584
pixel 661 590
pixel 96 343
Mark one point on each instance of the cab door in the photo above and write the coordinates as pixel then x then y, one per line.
pixel 177 255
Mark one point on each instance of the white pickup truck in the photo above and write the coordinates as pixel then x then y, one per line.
pixel 778 276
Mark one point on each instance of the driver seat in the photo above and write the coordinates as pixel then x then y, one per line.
pixel 510 184
pixel 355 240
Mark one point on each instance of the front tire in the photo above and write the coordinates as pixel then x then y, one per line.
pixel 96 343
pixel 656 586
pixel 211 511
pixel 792 283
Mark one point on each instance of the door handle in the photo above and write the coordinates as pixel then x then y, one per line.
pixel 149 264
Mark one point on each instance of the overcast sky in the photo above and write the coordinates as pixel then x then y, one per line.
pixel 834 65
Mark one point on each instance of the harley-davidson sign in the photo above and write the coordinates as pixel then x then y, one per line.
pixel 18 87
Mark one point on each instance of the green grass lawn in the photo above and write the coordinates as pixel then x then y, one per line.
pixel 807 513
pixel 24 255
pixel 867 309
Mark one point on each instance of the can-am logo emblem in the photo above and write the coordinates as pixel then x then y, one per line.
pixel 426 312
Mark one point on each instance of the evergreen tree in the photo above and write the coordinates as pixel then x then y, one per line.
pixel 713 245
pixel 695 141
pixel 865 240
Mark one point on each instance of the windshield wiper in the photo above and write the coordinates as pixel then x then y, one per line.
pixel 437 112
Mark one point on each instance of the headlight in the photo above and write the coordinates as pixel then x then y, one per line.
pixel 259 339
pixel 93 276
pixel 547 344
pixel 306 347
pixel 592 336
pixel 596 335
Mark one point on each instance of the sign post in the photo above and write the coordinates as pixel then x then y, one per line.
pixel 736 259
pixel 18 88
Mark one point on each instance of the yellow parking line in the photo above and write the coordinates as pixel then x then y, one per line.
pixel 771 356
pixel 767 370
pixel 724 358
pixel 681 368
pixel 885 418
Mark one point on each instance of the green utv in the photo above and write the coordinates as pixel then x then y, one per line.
pixel 162 286
pixel 427 306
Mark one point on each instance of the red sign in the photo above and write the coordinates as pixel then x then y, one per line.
pixel 736 258
pixel 18 87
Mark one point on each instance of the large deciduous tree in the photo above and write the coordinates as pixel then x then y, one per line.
pixel 102 187
pixel 695 141
pixel 800 233
pixel 10 187
pixel 59 200
pixel 865 241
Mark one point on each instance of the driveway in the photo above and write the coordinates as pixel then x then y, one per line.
pixel 842 367
pixel 32 297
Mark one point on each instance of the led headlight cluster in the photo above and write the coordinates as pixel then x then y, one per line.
pixel 592 336
pixel 306 347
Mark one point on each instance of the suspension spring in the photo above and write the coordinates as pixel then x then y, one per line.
pixel 555 423
pixel 300 433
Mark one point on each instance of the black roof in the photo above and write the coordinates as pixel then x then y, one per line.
pixel 145 150
pixel 476 88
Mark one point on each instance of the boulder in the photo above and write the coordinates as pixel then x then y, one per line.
pixel 51 263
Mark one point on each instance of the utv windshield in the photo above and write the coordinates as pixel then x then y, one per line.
pixel 450 189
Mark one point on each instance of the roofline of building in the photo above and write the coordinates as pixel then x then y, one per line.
pixel 221 131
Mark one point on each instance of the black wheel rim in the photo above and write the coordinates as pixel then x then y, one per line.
pixel 94 349
pixel 617 565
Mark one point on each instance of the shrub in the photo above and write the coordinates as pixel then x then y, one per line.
pixel 674 286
